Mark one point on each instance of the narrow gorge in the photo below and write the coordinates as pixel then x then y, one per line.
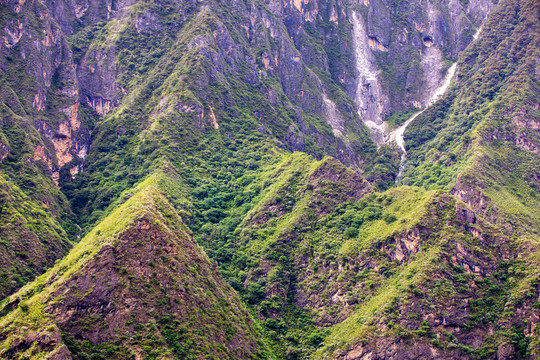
pixel 396 135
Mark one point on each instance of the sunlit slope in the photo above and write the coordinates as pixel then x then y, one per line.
pixel 136 284
pixel 481 141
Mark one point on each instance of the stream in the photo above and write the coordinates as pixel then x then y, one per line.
pixel 370 98
pixel 397 134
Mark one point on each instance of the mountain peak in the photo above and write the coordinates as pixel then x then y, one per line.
pixel 141 287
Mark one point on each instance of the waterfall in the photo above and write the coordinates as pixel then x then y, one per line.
pixel 441 90
pixel 332 116
pixel 397 134
pixel 370 98
pixel 477 33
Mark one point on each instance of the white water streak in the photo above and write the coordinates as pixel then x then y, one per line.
pixel 477 33
pixel 332 116
pixel 369 96
pixel 397 134
pixel 441 90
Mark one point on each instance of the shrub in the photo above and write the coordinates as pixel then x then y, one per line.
pixel 351 232
pixel 389 218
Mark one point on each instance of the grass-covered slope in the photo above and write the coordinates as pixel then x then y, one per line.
pixel 329 265
pixel 199 91
pixel 36 223
pixel 450 286
pixel 40 133
pixel 484 133
pixel 318 251
pixel 196 109
pixel 136 285
pixel 31 238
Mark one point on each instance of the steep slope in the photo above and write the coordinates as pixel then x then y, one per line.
pixel 461 289
pixel 402 274
pixel 40 89
pixel 402 50
pixel 84 79
pixel 144 112
pixel 41 132
pixel 478 142
pixel 31 238
pixel 490 109
pixel 137 285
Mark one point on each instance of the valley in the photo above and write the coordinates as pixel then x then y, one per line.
pixel 269 179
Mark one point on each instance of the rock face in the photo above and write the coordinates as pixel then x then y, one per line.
pixel 370 97
pixel 38 66
pixel 374 62
pixel 43 133
pixel 298 37
pixel 129 285
pixel 429 35
pixel 138 111
pixel 150 284
pixel 455 316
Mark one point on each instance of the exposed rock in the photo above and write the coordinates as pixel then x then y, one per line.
pixel 375 44
pixel 152 274
pixel 371 100
pixel 51 79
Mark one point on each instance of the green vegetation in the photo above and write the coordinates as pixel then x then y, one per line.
pixel 219 215
pixel 396 119
pixel 171 287
pixel 31 239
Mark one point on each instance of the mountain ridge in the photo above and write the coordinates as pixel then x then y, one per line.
pixel 160 132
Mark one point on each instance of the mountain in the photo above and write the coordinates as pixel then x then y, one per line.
pixel 269 179
pixel 136 285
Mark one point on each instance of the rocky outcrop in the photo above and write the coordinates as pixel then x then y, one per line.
pixel 102 303
pixel 445 307
pixel 371 99
pixel 414 56
pixel 71 15
pixel 50 89
pixel 151 275
pixel 4 151
pixel 345 184
pixel 472 194
pixel 398 349
pixel 97 75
